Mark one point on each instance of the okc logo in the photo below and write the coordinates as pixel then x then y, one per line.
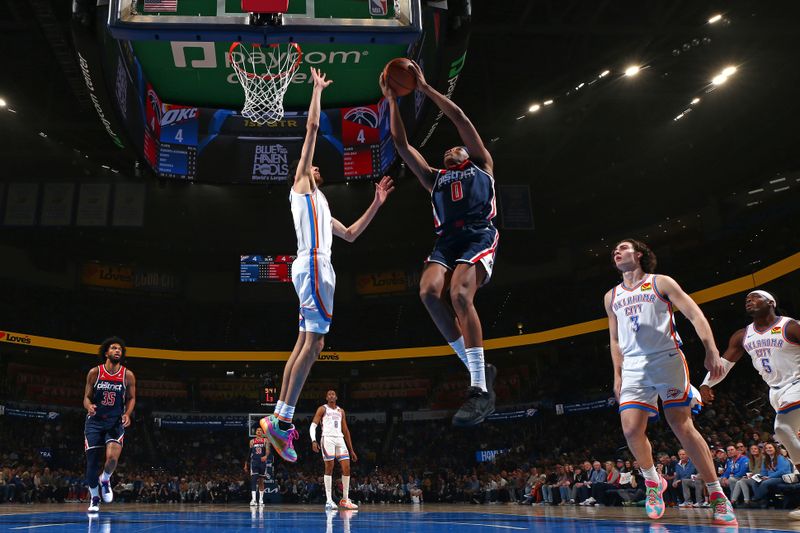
pixel 363 116
pixel 673 393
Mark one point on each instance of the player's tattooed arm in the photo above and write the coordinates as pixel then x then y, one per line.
pixel 91 378
pixel 130 398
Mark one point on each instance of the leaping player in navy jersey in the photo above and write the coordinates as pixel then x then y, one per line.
pixel 463 201
pixel 109 399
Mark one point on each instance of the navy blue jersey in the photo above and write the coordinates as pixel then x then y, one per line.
pixel 258 449
pixel 461 196
pixel 109 393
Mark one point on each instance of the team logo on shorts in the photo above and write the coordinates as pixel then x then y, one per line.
pixel 673 393
pixel 647 286
pixel 776 330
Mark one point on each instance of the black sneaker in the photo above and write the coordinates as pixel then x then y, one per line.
pixel 479 404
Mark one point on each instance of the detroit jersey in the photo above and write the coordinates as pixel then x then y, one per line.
pixel 462 195
pixel 312 223
pixel 774 356
pixel 108 393
pixel 332 422
pixel 645 321
pixel 258 449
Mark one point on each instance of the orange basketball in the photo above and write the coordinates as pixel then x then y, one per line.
pixel 398 76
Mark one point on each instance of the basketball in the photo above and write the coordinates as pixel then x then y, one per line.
pixel 398 76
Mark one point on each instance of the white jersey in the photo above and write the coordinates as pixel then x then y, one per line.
pixel 775 357
pixel 645 321
pixel 332 422
pixel 313 223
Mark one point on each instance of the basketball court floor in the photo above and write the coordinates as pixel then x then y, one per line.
pixel 426 518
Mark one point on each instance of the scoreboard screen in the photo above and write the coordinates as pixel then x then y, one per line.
pixel 265 268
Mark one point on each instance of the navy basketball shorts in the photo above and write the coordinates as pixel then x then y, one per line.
pixel 258 468
pixel 470 245
pixel 99 432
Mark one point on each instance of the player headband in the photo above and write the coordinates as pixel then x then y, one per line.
pixel 767 296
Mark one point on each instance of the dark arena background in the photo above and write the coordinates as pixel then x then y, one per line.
pixel 136 201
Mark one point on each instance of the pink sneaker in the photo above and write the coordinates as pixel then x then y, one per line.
pixel 654 497
pixel 281 440
pixel 723 510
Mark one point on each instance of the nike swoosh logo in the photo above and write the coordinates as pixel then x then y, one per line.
pixel 749 335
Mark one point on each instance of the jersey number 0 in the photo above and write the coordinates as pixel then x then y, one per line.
pixel 456 192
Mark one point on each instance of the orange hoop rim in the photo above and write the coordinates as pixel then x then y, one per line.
pixel 283 74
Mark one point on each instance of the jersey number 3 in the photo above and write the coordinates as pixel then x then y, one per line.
pixel 109 398
pixel 456 192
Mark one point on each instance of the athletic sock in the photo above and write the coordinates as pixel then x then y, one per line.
pixel 261 495
pixel 328 487
pixel 477 367
pixel 253 495
pixel 714 487
pixel 345 487
pixel 285 416
pixel 104 477
pixel 458 347
pixel 650 474
pixel 278 408
pixel 94 491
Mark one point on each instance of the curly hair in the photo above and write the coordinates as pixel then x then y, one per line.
pixel 106 344
pixel 648 260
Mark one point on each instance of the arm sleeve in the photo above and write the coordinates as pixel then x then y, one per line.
pixel 312 430
pixel 726 367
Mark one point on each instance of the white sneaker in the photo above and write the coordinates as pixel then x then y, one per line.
pixel 685 505
pixel 795 515
pixel 94 506
pixel 253 503
pixel 348 504
pixel 330 505
pixel 106 492
pixel 261 503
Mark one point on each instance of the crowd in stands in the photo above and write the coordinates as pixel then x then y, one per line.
pixel 544 460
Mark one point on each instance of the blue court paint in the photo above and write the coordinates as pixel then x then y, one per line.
pixel 120 521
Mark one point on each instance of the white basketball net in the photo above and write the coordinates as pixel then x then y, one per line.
pixel 265 74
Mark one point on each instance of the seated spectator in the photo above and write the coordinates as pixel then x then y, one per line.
pixel 755 461
pixel 631 485
pixel 666 467
pixel 578 481
pixel 735 468
pixel 686 479
pixel 775 466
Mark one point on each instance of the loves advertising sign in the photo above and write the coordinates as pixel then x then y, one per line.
pixel 14 338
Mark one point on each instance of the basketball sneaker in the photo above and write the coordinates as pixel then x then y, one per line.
pixel 479 404
pixel 95 505
pixel 723 510
pixel 330 505
pixel 654 497
pixel 347 504
pixel 106 492
pixel 253 503
pixel 282 440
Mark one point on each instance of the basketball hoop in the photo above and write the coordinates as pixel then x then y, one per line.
pixel 265 75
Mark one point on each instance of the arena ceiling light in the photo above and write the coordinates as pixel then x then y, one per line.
pixel 695 101
pixel 633 70
pixel 723 76
pixel 604 74
pixel 534 108
pixel 2 103
pixel 715 18
pixel 548 102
